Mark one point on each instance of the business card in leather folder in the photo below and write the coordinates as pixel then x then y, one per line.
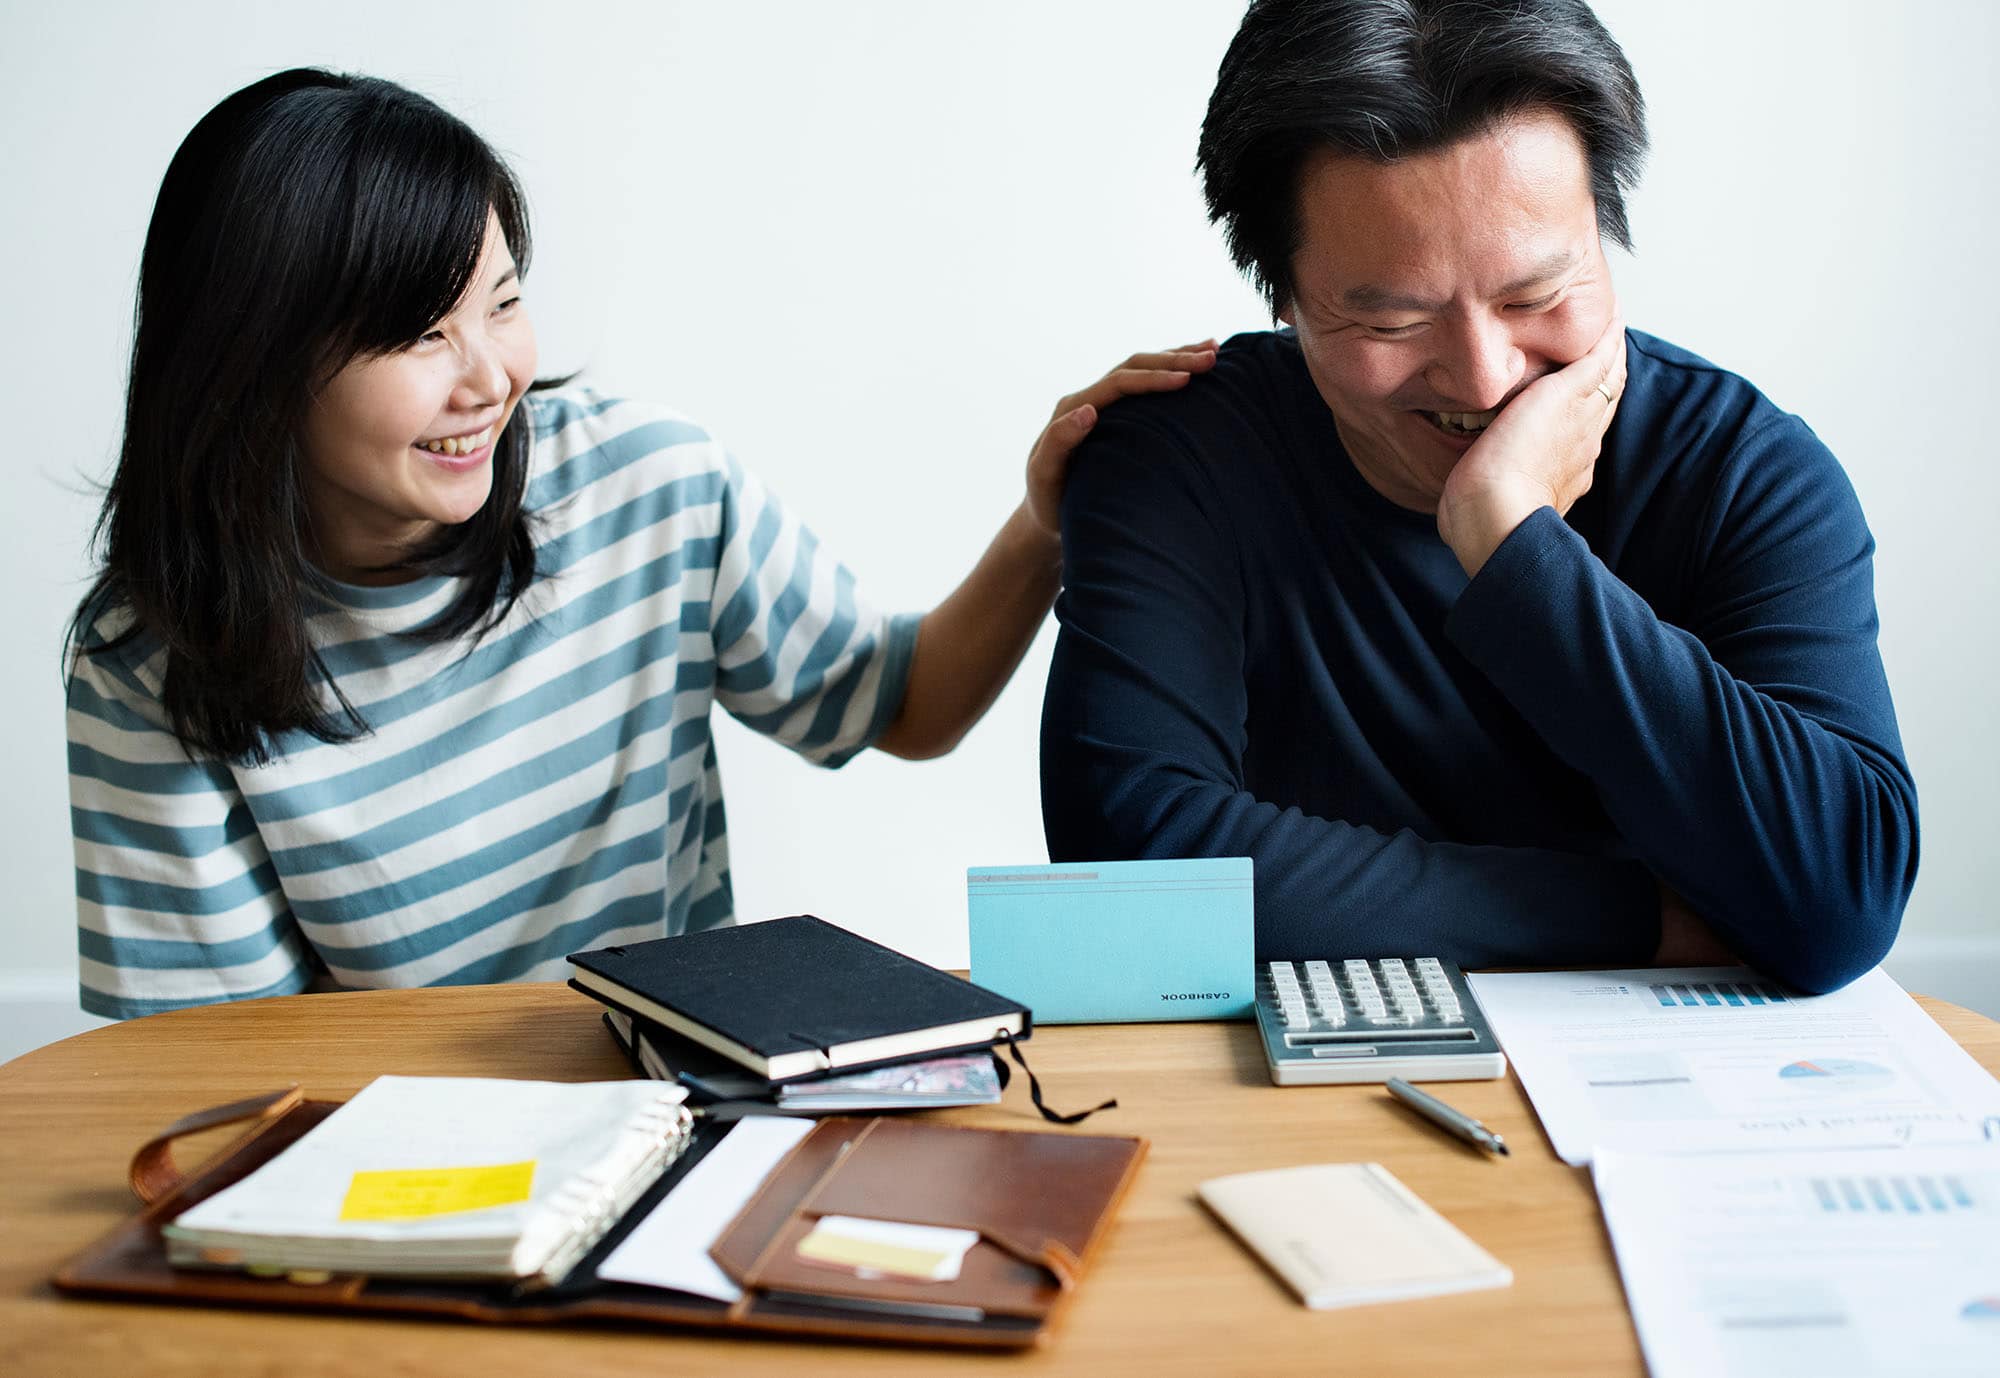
pixel 1041 1203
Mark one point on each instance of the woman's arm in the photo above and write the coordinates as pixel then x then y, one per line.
pixel 968 645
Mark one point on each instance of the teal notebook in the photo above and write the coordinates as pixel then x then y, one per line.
pixel 1111 941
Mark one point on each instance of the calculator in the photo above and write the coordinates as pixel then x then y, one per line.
pixel 1371 1019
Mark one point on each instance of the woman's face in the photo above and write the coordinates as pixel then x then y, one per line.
pixel 397 445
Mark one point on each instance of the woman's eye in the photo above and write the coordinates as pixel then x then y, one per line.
pixel 507 305
pixel 430 335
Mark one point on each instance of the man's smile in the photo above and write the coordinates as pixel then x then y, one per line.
pixel 1460 422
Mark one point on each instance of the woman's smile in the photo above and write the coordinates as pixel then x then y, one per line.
pixel 458 453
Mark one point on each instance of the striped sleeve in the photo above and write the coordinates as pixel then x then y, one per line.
pixel 177 901
pixel 798 655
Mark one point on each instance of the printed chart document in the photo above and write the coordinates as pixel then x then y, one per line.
pixel 1717 1059
pixel 1819 1264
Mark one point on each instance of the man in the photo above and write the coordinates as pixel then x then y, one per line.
pixel 1490 629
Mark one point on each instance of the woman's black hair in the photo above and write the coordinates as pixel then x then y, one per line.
pixel 1387 79
pixel 308 220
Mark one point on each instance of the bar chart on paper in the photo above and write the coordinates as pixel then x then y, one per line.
pixel 1739 995
pixel 1815 1263
pixel 1908 1195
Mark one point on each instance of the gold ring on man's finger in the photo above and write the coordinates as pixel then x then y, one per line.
pixel 1609 397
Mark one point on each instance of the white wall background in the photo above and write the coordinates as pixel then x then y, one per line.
pixel 869 244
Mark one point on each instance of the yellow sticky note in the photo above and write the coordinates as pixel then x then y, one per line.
pixel 412 1193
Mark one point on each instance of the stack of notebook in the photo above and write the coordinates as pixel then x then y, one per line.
pixel 801 1014
pixel 709 1078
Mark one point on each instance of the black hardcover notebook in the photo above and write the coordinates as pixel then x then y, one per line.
pixel 794 997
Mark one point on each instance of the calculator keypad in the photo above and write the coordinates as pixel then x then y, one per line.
pixel 1383 994
pixel 1379 1017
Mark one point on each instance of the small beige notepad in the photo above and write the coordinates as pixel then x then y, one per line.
pixel 1344 1234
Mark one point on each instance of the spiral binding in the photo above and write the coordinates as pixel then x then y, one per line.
pixel 594 1200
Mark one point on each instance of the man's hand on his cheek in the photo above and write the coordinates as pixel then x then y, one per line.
pixel 1539 452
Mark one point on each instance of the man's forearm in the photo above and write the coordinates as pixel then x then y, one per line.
pixel 1334 889
pixel 1796 843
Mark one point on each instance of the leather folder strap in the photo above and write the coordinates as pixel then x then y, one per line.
pixel 154 1174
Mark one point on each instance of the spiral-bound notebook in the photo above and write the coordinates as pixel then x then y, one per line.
pixel 445 1177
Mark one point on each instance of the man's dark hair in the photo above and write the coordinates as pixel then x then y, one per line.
pixel 1386 79
pixel 308 220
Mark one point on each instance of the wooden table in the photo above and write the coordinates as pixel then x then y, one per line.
pixel 1171 1294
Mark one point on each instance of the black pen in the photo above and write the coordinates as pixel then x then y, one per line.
pixel 1446 1118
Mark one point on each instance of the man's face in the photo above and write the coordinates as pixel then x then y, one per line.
pixel 1428 292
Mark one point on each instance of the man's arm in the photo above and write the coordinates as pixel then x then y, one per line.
pixel 1143 743
pixel 1752 758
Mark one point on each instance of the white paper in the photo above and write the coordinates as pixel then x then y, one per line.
pixel 1818 1264
pixel 1716 1059
pixel 669 1248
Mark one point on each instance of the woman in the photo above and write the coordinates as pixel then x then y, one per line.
pixel 399 665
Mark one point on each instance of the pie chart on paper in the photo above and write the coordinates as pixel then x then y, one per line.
pixel 1839 1069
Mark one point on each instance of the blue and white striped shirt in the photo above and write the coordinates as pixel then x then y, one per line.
pixel 549 787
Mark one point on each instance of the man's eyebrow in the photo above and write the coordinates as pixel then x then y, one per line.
pixel 1368 297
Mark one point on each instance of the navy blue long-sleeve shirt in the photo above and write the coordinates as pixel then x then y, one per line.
pixel 1262 656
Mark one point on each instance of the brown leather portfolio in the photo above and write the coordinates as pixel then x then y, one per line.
pixel 1041 1203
